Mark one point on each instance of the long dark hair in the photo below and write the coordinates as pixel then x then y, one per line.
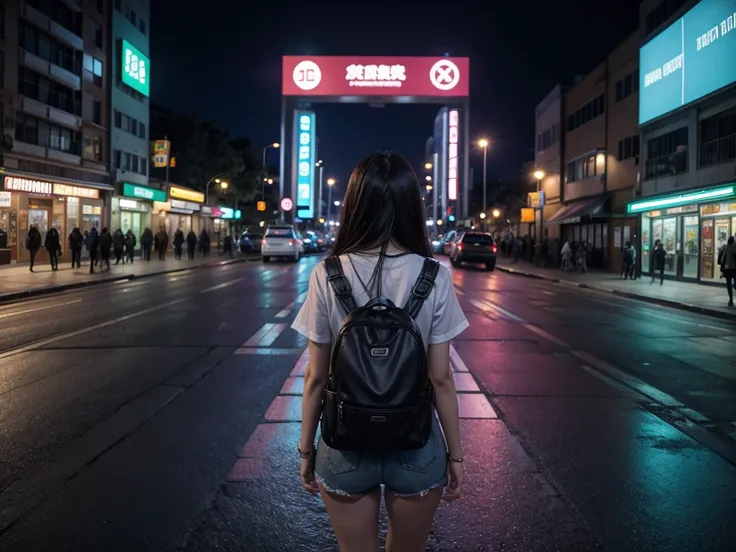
pixel 383 204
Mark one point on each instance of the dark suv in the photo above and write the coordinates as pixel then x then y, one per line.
pixel 474 247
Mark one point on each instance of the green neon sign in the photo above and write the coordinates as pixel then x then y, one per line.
pixel 681 199
pixel 143 192
pixel 135 68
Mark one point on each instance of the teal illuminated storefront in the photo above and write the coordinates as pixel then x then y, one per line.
pixel 692 225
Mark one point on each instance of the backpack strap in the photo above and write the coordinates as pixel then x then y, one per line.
pixel 340 285
pixel 422 287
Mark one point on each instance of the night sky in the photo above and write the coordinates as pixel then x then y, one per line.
pixel 225 62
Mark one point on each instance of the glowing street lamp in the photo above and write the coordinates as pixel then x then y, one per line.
pixel 496 213
pixel 482 216
pixel 539 175
pixel 330 185
pixel 428 165
pixel 428 178
pixel 483 143
pixel 429 188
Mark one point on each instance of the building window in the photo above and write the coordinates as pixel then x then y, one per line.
pixel 119 5
pixel 93 69
pixel 130 124
pixel 38 87
pixel 132 17
pixel 118 119
pixel 667 154
pixel 718 138
pixel 580 169
pixel 101 6
pixel 44 46
pixel 627 86
pixel 142 25
pixel 591 110
pixel 141 130
pixel 92 148
pixel 96 112
pixel 117 158
pixel 34 131
pixel 26 128
pixel 70 19
pixel 628 148
pixel 98 35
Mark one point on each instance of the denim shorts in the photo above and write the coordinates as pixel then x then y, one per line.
pixel 405 473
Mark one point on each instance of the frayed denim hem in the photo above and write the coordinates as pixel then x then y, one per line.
pixel 421 494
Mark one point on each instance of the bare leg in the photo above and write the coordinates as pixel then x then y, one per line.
pixel 410 520
pixel 354 520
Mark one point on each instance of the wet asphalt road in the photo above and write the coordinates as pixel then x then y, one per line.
pixel 159 415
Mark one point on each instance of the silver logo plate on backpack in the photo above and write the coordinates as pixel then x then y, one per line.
pixel 379 352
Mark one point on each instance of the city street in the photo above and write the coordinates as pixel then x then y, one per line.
pixel 162 414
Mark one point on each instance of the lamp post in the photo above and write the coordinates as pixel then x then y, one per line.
pixel 539 175
pixel 216 180
pixel 484 144
pixel 268 181
pixel 330 184
pixel 274 145
pixel 321 167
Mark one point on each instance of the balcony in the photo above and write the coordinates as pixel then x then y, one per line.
pixel 50 70
pixel 45 23
pixel 41 152
pixel 666 165
pixel 43 111
pixel 718 151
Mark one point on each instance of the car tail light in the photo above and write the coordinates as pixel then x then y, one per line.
pixel 459 247
pixel 494 248
pixel 291 242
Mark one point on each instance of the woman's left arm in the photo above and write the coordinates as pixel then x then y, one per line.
pixel 315 379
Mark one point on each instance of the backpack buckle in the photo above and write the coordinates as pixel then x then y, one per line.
pixel 423 287
pixel 340 285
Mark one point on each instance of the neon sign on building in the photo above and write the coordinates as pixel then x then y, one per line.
pixel 305 159
pixel 452 154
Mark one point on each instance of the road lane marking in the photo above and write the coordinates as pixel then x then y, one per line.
pixel 266 335
pixel 265 351
pixel 284 313
pixel 223 285
pixel 88 329
pixel 459 292
pixel 632 381
pixel 548 292
pixel 546 335
pixel 488 307
pixel 18 313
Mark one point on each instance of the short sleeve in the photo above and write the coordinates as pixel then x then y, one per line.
pixel 313 320
pixel 448 320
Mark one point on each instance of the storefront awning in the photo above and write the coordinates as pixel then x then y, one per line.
pixel 574 212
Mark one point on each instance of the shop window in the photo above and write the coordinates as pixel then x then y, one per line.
pixel 667 154
pixel 718 138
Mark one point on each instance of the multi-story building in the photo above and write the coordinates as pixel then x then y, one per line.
pixel 592 169
pixel 55 106
pixel 687 115
pixel 129 135
pixel 547 154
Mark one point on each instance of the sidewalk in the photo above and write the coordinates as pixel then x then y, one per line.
pixel 703 299
pixel 17 281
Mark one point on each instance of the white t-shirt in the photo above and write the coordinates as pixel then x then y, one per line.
pixel 440 319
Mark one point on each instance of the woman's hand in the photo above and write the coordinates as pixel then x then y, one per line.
pixel 306 473
pixel 455 477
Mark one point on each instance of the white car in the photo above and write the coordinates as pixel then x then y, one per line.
pixel 281 241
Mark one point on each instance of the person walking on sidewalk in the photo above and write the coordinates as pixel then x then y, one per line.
pixel 627 262
pixel 566 257
pixel 727 262
pixel 130 243
pixel 146 244
pixel 53 247
pixel 178 243
pixel 384 251
pixel 161 243
pixel 191 244
pixel 118 244
pixel 105 246
pixel 92 242
pixel 33 243
pixel 76 240
pixel 204 243
pixel 659 257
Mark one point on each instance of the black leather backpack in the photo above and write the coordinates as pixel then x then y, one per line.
pixel 378 395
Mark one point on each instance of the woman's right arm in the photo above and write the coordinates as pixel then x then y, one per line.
pixel 438 359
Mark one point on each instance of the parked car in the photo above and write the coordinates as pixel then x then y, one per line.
pixel 250 242
pixel 449 241
pixel 474 247
pixel 281 241
pixel 436 245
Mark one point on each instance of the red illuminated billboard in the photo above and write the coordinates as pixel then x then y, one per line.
pixel 443 77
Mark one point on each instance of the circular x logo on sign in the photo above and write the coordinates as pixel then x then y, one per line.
pixel 307 75
pixel 444 75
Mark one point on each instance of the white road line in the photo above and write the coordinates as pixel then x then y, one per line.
pixel 284 313
pixel 459 292
pixel 223 285
pixel 266 335
pixel 18 313
pixel 546 335
pixel 88 329
pixel 632 381
pixel 504 312
pixel 485 308
pixel 548 292
pixel 456 362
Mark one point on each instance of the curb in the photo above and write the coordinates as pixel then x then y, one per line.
pixel 627 294
pixel 27 294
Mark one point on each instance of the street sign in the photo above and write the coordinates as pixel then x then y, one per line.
pixel 287 204
pixel 261 206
